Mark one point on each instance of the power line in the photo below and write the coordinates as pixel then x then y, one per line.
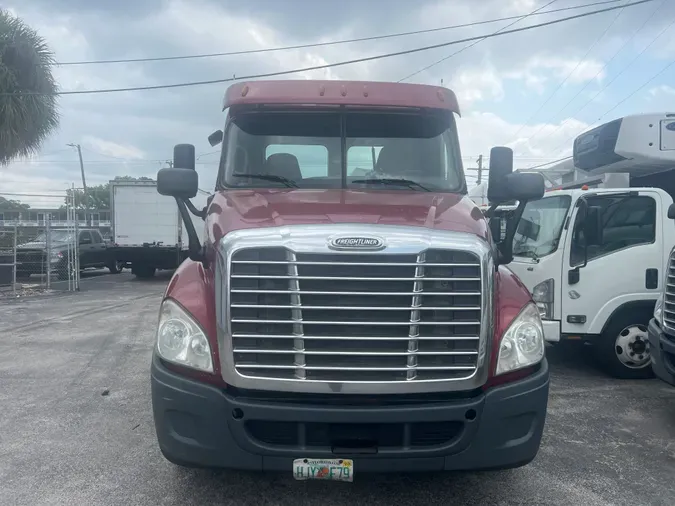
pixel 630 95
pixel 600 70
pixel 329 65
pixel 330 43
pixel 548 163
pixel 562 83
pixel 474 43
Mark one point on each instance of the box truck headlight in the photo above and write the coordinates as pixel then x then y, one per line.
pixel 522 344
pixel 542 294
pixel 658 310
pixel 180 339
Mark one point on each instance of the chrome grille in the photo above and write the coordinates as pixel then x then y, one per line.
pixel 669 295
pixel 355 317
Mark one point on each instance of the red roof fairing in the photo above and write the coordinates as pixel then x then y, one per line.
pixel 335 93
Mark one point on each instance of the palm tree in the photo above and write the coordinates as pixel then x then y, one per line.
pixel 28 110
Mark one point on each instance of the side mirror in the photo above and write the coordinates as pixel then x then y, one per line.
pixel 593 226
pixel 501 166
pixel 184 156
pixel 524 187
pixel 504 185
pixel 216 138
pixel 671 212
pixel 179 183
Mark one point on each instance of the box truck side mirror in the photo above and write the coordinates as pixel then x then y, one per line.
pixel 671 212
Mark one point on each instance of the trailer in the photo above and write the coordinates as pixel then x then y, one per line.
pixel 147 230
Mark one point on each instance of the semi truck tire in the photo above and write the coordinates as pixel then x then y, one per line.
pixel 623 347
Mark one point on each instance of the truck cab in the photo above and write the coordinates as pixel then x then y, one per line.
pixel 347 310
pixel 662 325
pixel 592 251
pixel 592 259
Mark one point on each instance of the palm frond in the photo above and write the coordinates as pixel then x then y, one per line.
pixel 26 120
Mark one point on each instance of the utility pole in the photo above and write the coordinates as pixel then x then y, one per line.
pixel 87 217
pixel 480 169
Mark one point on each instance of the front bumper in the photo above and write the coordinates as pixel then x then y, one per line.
pixel 551 330
pixel 662 348
pixel 202 425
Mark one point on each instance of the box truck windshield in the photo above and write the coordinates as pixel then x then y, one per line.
pixel 539 229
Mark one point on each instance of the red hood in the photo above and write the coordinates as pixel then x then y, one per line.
pixel 240 209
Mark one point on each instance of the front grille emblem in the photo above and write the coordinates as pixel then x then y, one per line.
pixel 356 243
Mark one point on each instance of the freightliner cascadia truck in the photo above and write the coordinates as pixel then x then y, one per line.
pixel 348 310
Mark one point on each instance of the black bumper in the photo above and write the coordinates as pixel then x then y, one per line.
pixel 201 425
pixel 662 347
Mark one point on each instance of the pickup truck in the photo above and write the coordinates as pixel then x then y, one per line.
pixel 31 257
pixel 347 310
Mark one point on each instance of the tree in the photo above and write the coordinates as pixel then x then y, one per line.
pixel 12 205
pixel 29 113
pixel 98 196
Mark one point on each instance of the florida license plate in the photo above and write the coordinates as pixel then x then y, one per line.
pixel 323 469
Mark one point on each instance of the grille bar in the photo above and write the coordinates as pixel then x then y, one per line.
pixel 336 278
pixel 331 368
pixel 360 353
pixel 362 308
pixel 377 323
pixel 359 338
pixel 346 294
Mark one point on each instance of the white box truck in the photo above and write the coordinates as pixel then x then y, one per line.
pixel 147 230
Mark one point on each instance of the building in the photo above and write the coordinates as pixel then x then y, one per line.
pixel 37 218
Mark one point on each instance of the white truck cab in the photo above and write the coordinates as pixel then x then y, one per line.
pixel 593 262
pixel 593 257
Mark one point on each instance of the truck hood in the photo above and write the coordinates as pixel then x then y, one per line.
pixel 40 245
pixel 239 209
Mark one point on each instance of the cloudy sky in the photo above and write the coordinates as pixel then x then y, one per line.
pixel 533 91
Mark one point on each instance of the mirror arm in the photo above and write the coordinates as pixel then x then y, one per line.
pixel 195 250
pixel 199 214
pixel 491 210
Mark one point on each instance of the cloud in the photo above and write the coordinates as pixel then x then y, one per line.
pixel 662 89
pixel 500 82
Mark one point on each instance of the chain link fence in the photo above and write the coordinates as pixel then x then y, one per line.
pixel 39 259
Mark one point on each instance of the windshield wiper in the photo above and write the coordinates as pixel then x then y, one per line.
pixel 393 181
pixel 270 177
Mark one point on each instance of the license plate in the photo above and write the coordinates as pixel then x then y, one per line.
pixel 323 469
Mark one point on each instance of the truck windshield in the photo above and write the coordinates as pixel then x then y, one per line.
pixel 539 229
pixel 415 151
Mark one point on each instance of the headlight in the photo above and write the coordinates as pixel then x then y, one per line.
pixel 542 294
pixel 658 310
pixel 523 342
pixel 180 339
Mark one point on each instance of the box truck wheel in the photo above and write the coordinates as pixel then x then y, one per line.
pixel 143 271
pixel 623 348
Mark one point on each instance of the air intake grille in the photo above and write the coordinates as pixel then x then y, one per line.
pixel 349 317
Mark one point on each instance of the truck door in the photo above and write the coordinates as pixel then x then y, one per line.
pixel 99 250
pixel 86 249
pixel 625 267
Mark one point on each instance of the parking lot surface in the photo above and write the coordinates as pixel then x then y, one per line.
pixel 76 425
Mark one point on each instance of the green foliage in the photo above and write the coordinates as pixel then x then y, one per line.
pixel 12 205
pixel 30 113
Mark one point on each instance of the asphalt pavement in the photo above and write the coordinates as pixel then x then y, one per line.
pixel 76 425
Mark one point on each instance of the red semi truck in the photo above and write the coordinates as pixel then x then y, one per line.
pixel 348 310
